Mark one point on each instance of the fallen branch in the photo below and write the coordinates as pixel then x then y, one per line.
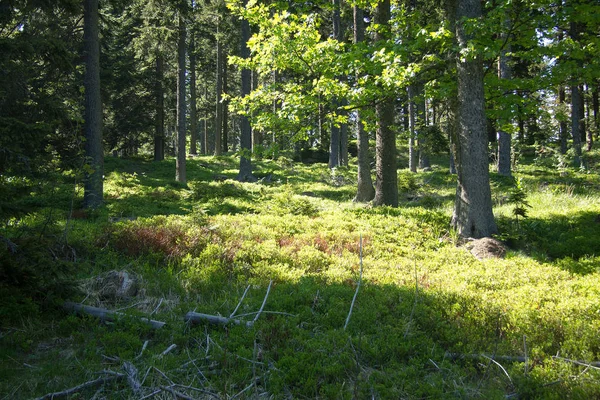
pixel 262 307
pixel 240 302
pixel 106 315
pixel 196 318
pixel 357 286
pixel 100 381
pixel 593 364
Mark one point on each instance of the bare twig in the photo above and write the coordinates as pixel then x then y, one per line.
pixel 157 307
pixel 264 302
pixel 168 350
pixel 358 285
pixel 99 381
pixel 240 302
pixel 593 365
pixel 267 312
pixel 498 364
pixel 175 393
pixel 143 348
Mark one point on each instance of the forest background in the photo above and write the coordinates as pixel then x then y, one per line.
pixel 324 166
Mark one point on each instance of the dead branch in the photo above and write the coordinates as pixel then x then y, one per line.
pixel 357 286
pixel 196 318
pixel 458 356
pixel 264 302
pixel 240 302
pixel 106 315
pixel 99 381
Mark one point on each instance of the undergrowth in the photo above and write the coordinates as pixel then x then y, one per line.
pixel 428 317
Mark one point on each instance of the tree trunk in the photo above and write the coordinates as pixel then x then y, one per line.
pixel 225 109
pixel 245 173
pixel 421 123
pixel 193 98
pixel 180 175
pixel 504 140
pixel 159 129
pixel 334 144
pixel 576 126
pixel 256 134
pixel 94 152
pixel 365 191
pixel 344 145
pixel 413 155
pixel 472 216
pixel 218 89
pixel 386 187
pixel 563 130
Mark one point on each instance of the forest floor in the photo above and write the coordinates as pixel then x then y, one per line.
pixel 355 301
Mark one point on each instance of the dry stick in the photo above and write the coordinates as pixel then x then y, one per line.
pixel 143 348
pixel 594 364
pixel 501 367
pixel 175 393
pixel 168 350
pixel 132 377
pixel 358 285
pixel 95 382
pixel 240 302
pixel 106 315
pixel 196 318
pixel 264 302
pixel 157 307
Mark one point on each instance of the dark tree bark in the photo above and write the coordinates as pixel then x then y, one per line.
pixel 245 173
pixel 504 139
pixel 595 106
pixel 386 186
pixel 472 216
pixel 218 89
pixel 180 175
pixel 225 109
pixel 159 128
pixel 344 145
pixel 563 130
pixel 94 152
pixel 365 191
pixel 193 98
pixel 576 125
pixel 334 144
pixel 256 134
pixel 413 155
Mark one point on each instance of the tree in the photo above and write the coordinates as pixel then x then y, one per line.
pixel 93 188
pixel 245 173
pixel 365 191
pixel 180 174
pixel 472 216
pixel 386 184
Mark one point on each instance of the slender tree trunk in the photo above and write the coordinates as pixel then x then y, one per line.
pixel 386 186
pixel 256 135
pixel 180 175
pixel 219 106
pixel 588 131
pixel 245 173
pixel 563 130
pixel 365 191
pixel 413 155
pixel 225 108
pixel 595 107
pixel 334 144
pixel 94 152
pixel 193 98
pixel 504 140
pixel 576 126
pixel 421 123
pixel 472 216
pixel 344 145
pixel 159 129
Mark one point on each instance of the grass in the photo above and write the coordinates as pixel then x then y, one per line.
pixel 423 300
